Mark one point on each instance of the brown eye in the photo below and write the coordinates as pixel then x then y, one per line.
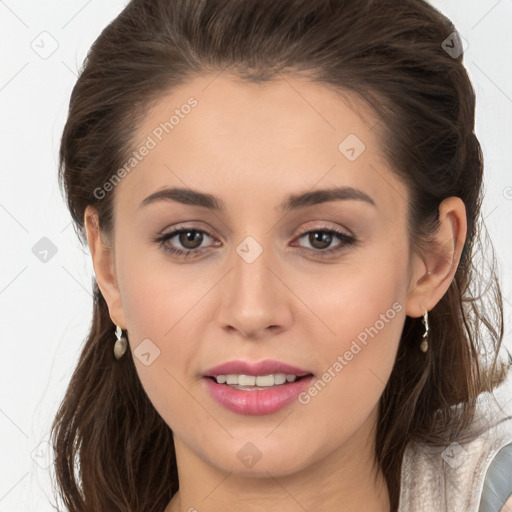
pixel 190 239
pixel 320 239
pixel 185 241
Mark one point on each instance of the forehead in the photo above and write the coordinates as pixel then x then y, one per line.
pixel 221 133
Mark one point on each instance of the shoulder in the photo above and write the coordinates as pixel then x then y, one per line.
pixel 462 475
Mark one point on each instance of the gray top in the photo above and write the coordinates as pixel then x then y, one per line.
pixel 472 476
pixel 498 481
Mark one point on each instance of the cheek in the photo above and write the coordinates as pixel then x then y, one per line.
pixel 165 307
pixel 159 317
pixel 363 299
pixel 158 296
pixel 362 312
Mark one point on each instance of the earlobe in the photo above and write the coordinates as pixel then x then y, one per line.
pixel 104 269
pixel 436 268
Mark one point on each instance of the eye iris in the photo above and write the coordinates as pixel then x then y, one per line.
pixel 324 239
pixel 189 238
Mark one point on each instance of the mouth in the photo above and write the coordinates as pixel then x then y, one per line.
pixel 256 388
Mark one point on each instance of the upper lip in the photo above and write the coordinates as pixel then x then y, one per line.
pixel 267 367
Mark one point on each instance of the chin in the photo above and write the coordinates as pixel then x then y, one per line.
pixel 258 459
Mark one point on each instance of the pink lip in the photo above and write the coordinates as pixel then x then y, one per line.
pixel 261 368
pixel 256 401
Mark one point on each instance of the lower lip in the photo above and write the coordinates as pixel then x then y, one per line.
pixel 255 401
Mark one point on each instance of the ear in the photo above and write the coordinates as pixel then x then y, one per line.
pixel 102 252
pixel 434 270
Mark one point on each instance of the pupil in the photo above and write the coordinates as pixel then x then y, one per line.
pixel 189 238
pixel 324 239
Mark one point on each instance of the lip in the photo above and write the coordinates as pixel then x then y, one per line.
pixel 266 367
pixel 257 401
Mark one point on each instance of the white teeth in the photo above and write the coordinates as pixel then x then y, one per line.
pixel 265 380
pixel 279 378
pixel 231 379
pixel 251 380
pixel 246 380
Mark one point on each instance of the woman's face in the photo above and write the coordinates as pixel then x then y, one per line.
pixel 319 283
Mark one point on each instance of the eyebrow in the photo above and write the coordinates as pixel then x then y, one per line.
pixel 293 202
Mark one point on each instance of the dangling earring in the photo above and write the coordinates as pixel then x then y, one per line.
pixel 424 343
pixel 120 344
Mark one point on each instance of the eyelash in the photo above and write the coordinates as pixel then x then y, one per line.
pixel 346 240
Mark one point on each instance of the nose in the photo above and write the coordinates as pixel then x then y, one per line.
pixel 254 300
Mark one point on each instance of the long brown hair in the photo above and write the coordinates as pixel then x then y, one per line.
pixel 113 450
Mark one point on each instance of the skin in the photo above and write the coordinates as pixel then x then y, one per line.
pixel 253 145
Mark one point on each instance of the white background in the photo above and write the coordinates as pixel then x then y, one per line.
pixel 46 307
